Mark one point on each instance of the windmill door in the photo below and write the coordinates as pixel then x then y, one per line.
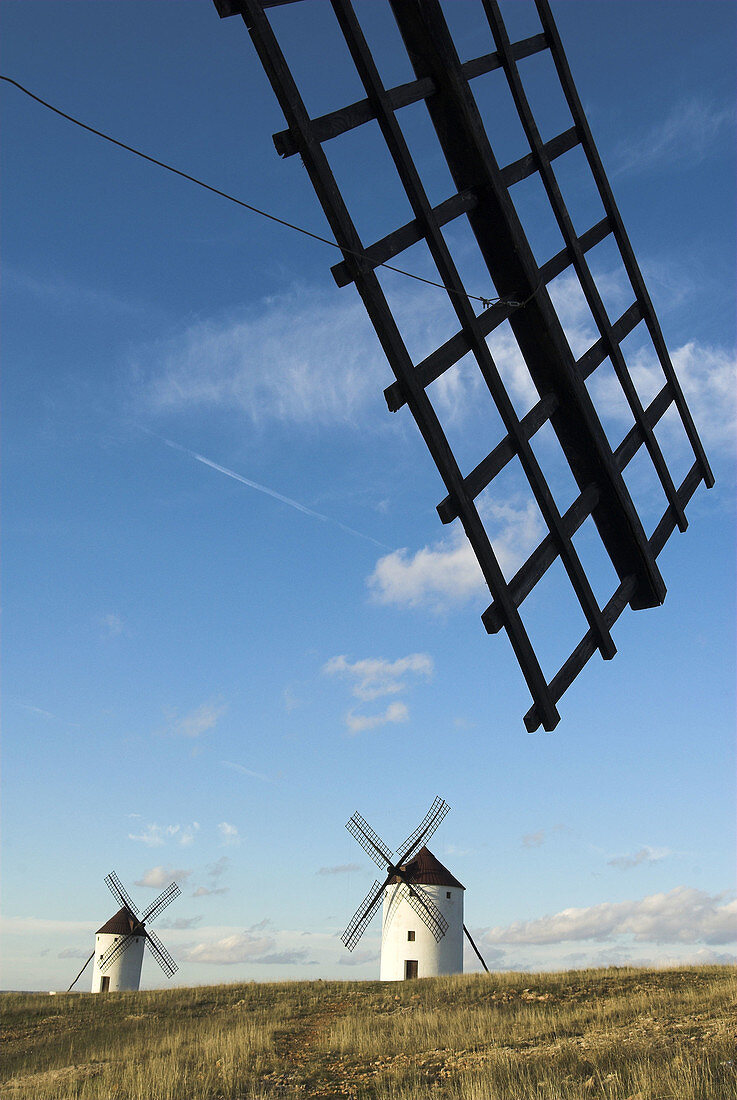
pixel 410 968
pixel 105 983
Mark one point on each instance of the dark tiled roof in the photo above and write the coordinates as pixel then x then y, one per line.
pixel 426 870
pixel 123 924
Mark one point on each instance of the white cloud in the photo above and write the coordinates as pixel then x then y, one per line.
pixel 446 574
pixel 180 924
pixel 534 840
pixel 240 947
pixel 302 357
pixel 214 873
pixel 644 855
pixel 154 835
pixel 358 958
pixel 395 712
pixel 340 869
pixel 229 834
pixel 198 721
pixel 685 915
pixel 373 676
pixel 156 877
pixel 112 625
pixel 708 377
pixel 245 771
pixel 686 135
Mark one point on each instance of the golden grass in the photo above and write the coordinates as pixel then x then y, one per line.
pixel 616 1034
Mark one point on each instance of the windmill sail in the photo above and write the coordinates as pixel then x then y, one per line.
pixel 518 298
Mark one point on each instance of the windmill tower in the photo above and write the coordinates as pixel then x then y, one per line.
pixel 422 925
pixel 120 942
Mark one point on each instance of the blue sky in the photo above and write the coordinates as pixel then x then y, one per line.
pixel 232 616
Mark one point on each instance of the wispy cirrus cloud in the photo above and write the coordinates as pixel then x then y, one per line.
pixel 687 135
pixel 372 678
pixel 156 877
pixel 180 924
pixel 155 835
pixel 683 915
pixel 395 712
pixel 229 834
pixel 304 357
pixel 214 873
pixel 244 770
pixel 197 721
pixel 258 944
pixel 643 855
pixel 112 625
pixel 339 869
pixel 538 838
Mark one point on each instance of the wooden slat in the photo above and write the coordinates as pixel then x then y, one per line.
pixel 620 234
pixel 627 449
pixel 584 650
pixel 483 474
pixel 525 166
pixel 598 352
pixel 339 122
pixel 562 217
pixel 508 256
pixel 369 288
pixel 335 123
pixel 407 235
pixel 587 646
pixel 454 349
pixel 540 560
pixel 429 43
pixel 449 353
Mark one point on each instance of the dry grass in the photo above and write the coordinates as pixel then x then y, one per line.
pixel 618 1034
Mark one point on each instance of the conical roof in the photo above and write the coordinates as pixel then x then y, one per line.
pixel 124 923
pixel 426 870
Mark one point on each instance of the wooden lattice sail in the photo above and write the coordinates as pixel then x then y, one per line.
pixel 482 197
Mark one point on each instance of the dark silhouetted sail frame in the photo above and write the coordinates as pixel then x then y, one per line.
pixel 483 197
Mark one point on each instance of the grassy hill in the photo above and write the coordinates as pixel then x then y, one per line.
pixel 615 1033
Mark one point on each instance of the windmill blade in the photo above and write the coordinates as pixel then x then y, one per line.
pixel 370 841
pixel 115 951
pixel 362 916
pixel 427 910
pixel 398 892
pixel 159 952
pixel 121 895
pixel 424 830
pixel 165 898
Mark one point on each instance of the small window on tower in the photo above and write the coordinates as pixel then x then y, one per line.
pixel 447 893
pixel 410 935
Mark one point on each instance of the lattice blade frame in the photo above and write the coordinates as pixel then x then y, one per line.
pixel 121 895
pixel 370 841
pixel 159 952
pixel 363 916
pixel 394 900
pixel 483 196
pixel 426 909
pixel 115 951
pixel 424 830
pixel 166 897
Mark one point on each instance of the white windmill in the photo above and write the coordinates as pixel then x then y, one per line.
pixel 417 885
pixel 119 944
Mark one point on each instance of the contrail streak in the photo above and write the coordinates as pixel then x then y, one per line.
pixel 269 492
